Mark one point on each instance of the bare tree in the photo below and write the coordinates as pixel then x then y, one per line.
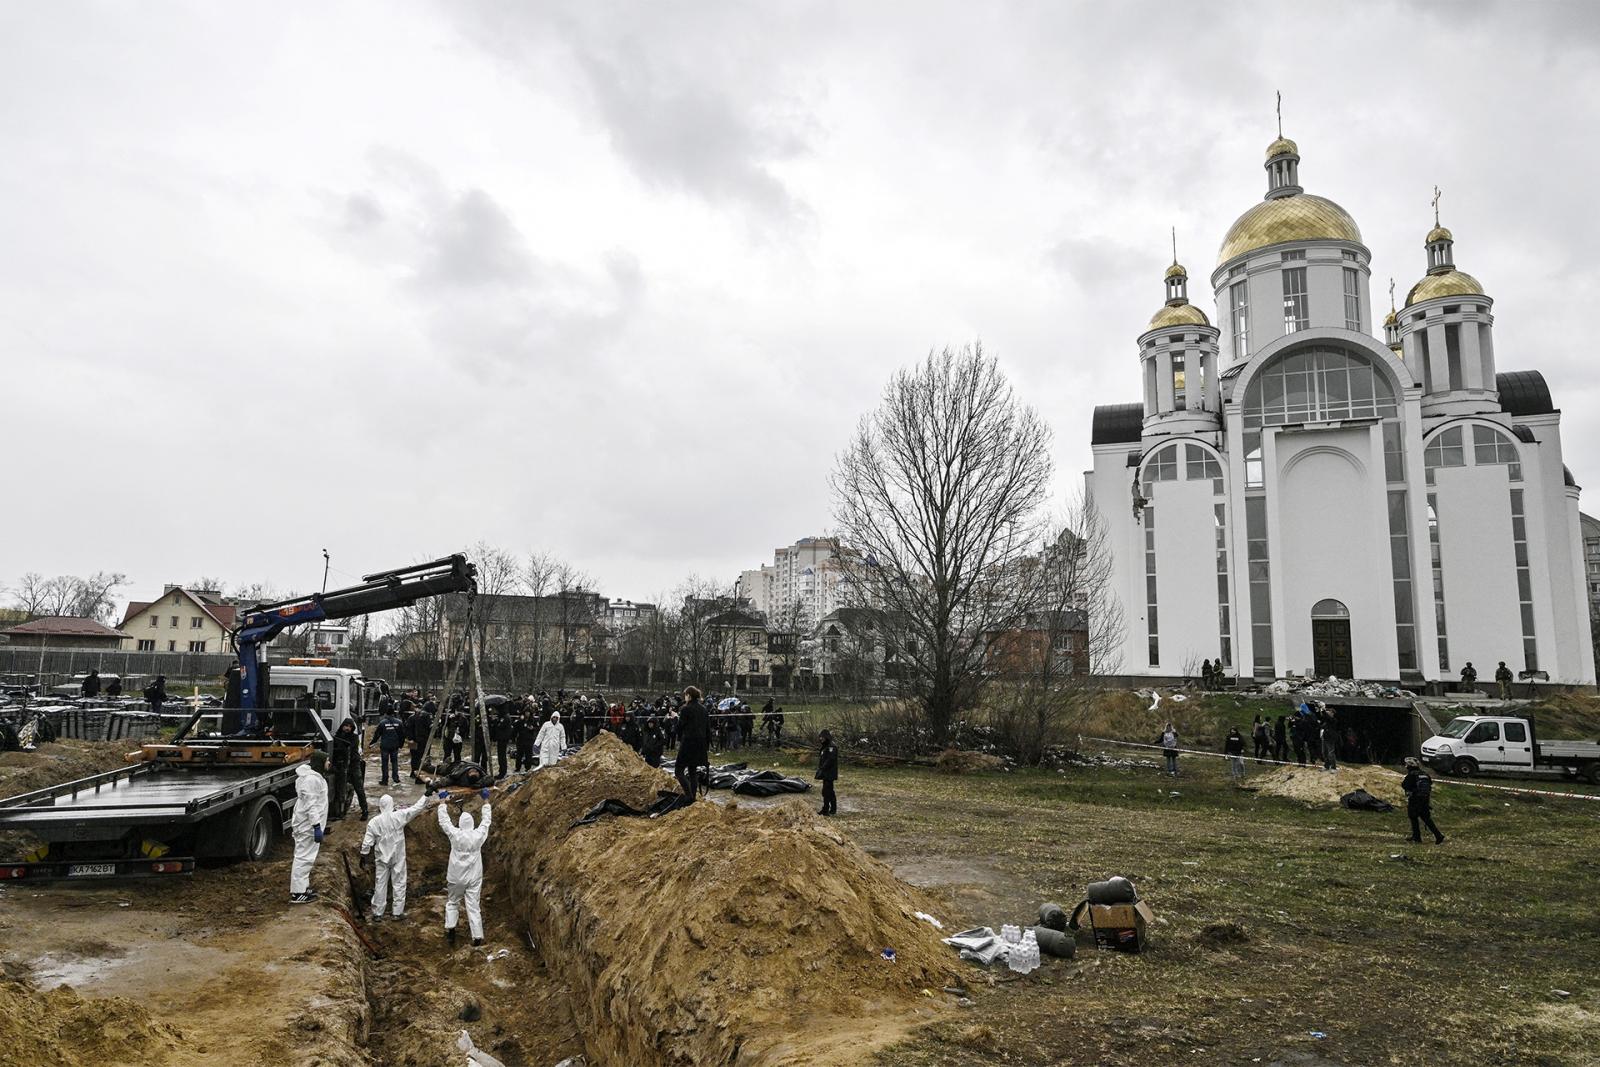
pixel 67 594
pixel 939 493
pixel 697 601
pixel 1069 632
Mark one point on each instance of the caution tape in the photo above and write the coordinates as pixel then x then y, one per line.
pixel 1383 770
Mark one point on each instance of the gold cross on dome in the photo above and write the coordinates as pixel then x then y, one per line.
pixel 1436 195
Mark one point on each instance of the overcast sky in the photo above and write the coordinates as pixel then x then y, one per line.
pixel 614 281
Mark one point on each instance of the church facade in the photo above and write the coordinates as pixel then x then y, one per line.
pixel 1295 494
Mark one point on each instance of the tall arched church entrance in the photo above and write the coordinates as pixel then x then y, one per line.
pixel 1330 640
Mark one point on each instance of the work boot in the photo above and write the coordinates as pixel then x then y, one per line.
pixel 398 917
pixel 477 942
pixel 1439 840
pixel 450 937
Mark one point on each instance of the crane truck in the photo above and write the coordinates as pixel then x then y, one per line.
pixel 227 791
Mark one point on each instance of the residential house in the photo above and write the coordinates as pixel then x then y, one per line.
pixel 64 631
pixel 180 620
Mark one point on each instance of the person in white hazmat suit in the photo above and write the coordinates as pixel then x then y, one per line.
pixel 464 876
pixel 385 841
pixel 310 816
pixel 551 740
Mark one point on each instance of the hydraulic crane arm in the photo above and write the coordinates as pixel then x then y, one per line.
pixel 384 591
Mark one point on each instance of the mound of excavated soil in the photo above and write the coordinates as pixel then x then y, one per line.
pixel 52 764
pixel 1313 785
pixel 59 761
pixel 960 761
pixel 62 1029
pixel 712 935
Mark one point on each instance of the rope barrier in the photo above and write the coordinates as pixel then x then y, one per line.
pixel 1382 770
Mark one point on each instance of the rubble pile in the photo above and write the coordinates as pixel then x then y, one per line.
pixel 1336 687
pixel 712 934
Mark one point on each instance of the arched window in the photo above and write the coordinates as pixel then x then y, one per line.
pixel 1329 609
pixel 1318 384
pixel 1490 447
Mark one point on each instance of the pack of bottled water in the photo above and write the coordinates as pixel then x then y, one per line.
pixel 1022 955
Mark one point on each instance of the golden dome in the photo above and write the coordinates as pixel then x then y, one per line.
pixel 1390 319
pixel 1438 233
pixel 1288 218
pixel 1450 283
pixel 1282 147
pixel 1177 271
pixel 1178 315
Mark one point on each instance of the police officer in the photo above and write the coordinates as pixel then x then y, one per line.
pixel 389 734
pixel 1418 787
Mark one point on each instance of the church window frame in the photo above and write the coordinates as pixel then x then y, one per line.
pixel 1239 312
pixel 1318 383
pixel 1296 301
pixel 1352 299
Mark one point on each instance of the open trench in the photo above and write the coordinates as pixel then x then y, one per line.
pixel 725 934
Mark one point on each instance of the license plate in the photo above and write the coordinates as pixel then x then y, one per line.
pixel 91 870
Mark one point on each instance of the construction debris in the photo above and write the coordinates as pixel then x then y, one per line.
pixel 1332 686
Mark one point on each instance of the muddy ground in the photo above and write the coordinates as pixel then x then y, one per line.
pixel 1277 921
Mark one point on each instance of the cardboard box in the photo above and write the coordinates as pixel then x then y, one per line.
pixel 1122 927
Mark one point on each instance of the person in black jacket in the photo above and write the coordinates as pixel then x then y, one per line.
pixel 388 735
pixel 1418 788
pixel 155 694
pixel 1280 739
pixel 1260 737
pixel 348 771
pixel 631 732
pixel 525 731
pixel 419 726
pixel 91 685
pixel 1233 746
pixel 828 772
pixel 456 728
pixel 115 688
pixel 501 731
pixel 654 742
pixel 694 744
pixel 232 687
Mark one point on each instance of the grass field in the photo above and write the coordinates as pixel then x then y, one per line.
pixel 1274 920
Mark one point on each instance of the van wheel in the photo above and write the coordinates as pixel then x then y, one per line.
pixel 259 831
pixel 1594 773
pixel 1465 767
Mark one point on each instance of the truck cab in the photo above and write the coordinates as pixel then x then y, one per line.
pixel 333 694
pixel 1480 742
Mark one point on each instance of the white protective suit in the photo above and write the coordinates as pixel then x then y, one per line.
pixel 386 836
pixel 464 877
pixel 551 740
pixel 310 810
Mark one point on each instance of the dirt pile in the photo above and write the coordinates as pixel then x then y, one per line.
pixel 61 1029
pixel 711 935
pixel 51 764
pixel 59 761
pixel 1313 785
pixel 959 761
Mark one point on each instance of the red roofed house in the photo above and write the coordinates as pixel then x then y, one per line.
pixel 182 620
pixel 64 631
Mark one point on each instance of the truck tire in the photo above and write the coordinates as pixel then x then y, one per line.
pixel 1466 767
pixel 1594 773
pixel 258 830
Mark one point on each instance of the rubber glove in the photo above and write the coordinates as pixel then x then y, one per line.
pixel 443 796
pixel 484 793
pixel 316 834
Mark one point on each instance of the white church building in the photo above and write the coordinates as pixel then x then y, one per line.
pixel 1295 495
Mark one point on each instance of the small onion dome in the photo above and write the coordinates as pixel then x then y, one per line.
pixel 1178 315
pixel 1450 283
pixel 1438 233
pixel 1282 147
pixel 1399 350
pixel 1176 271
pixel 1391 318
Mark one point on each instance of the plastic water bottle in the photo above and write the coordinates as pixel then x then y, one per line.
pixel 1010 934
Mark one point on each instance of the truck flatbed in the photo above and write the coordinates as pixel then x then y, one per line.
pixel 144 793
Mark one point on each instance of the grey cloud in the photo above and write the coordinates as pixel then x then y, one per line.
pixel 490 305
pixel 690 95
